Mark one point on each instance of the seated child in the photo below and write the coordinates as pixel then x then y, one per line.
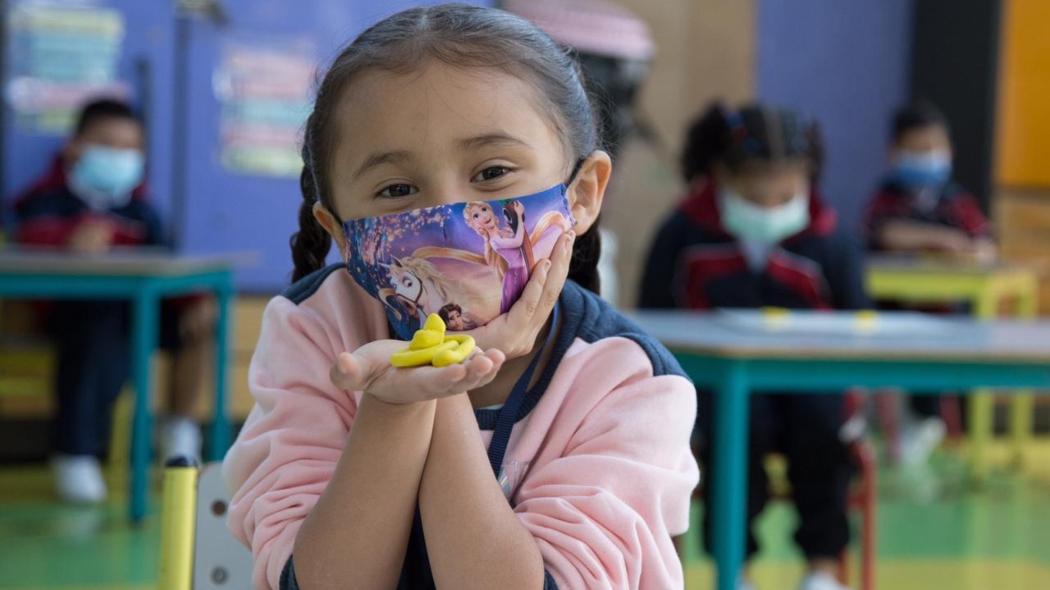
pixel 919 209
pixel 754 232
pixel 555 457
pixel 91 200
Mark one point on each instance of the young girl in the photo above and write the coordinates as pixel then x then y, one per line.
pixel 558 457
pixel 753 232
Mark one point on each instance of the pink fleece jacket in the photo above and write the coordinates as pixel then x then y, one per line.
pixel 600 466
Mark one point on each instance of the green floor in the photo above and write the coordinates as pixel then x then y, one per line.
pixel 935 531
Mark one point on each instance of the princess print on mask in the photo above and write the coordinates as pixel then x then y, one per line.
pixel 509 243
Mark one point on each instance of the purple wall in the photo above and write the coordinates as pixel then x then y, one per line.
pixel 847 65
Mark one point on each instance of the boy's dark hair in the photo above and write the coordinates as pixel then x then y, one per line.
pixel 754 132
pixel 917 115
pixel 462 36
pixel 103 108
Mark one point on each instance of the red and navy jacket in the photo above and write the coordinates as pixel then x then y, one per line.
pixel 694 263
pixel 47 214
pixel 953 207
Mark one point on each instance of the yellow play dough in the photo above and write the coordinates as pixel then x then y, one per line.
pixel 430 345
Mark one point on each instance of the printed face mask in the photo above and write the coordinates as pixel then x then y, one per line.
pixel 104 177
pixel 467 262
pixel 749 222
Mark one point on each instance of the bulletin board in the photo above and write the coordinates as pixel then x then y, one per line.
pixel 1024 114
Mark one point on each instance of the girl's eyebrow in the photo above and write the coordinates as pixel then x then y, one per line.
pixel 491 139
pixel 379 158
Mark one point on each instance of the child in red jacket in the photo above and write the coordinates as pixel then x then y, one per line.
pixel 91 200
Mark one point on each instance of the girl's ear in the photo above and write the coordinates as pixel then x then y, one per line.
pixel 587 190
pixel 335 229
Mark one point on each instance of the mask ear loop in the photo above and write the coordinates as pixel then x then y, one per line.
pixel 575 170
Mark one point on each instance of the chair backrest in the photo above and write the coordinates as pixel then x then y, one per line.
pixel 220 562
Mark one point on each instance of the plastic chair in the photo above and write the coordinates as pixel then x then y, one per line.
pixel 197 550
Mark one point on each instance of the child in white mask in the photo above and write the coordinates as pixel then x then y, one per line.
pixel 753 232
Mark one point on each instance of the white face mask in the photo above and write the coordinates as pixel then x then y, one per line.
pixel 749 222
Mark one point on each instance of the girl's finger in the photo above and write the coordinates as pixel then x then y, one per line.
pixel 479 365
pixel 525 307
pixel 438 380
pixel 561 260
pixel 350 372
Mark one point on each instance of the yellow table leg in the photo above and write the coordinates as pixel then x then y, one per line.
pixel 982 402
pixel 178 520
pixel 1022 403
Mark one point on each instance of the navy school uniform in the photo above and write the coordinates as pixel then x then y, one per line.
pixel 92 336
pixel 950 206
pixel 694 263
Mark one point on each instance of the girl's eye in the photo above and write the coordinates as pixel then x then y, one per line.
pixel 491 173
pixel 394 191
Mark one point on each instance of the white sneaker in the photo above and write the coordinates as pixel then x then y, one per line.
pixel 78 479
pixel 919 440
pixel 181 437
pixel 820 581
pixel 744 585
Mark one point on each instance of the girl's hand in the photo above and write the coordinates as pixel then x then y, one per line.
pixel 368 369
pixel 515 332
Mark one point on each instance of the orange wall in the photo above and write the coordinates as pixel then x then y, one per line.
pixel 1024 108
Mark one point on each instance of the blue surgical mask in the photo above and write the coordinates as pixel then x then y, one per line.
pixel 104 177
pixel 764 225
pixel 922 170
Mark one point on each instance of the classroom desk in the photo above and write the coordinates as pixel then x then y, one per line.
pixel 730 358
pixel 143 278
pixel 925 281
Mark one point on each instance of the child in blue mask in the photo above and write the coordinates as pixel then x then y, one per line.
pixel 918 208
pixel 753 232
pixel 91 200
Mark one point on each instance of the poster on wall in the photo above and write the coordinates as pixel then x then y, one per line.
pixel 264 87
pixel 61 54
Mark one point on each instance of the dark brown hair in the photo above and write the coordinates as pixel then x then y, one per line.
pixel 754 133
pixel 100 109
pixel 462 36
pixel 920 114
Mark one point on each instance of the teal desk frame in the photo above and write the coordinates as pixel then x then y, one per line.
pixel 145 292
pixel 734 377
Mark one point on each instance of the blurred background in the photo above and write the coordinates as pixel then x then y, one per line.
pixel 223 88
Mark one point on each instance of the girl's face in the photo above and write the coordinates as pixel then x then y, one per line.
pixel 440 135
pixel 767 184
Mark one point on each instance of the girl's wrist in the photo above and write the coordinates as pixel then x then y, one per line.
pixel 395 407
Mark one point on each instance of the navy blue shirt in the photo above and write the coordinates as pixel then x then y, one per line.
pixel 694 263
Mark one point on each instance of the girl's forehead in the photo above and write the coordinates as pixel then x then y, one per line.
pixel 442 105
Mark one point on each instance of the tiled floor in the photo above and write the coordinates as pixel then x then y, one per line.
pixel 935 531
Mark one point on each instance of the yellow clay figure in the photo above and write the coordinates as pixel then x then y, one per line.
pixel 430 345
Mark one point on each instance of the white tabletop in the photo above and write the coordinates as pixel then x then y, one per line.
pixel 842 335
pixel 125 262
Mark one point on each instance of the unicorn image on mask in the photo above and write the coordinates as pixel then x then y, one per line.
pixel 416 288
